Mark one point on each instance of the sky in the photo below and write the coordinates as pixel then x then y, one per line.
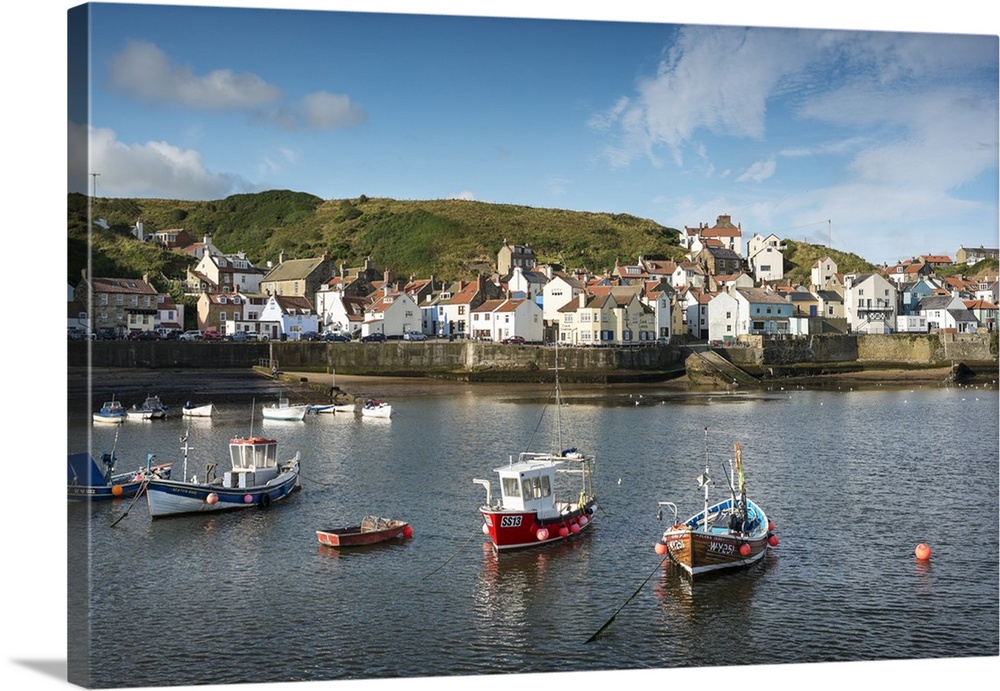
pixel 882 143
pixel 621 118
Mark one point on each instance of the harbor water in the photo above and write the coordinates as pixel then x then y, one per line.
pixel 852 480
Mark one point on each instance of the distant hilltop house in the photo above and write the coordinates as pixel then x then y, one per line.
pixel 968 255
pixel 724 231
pixel 511 256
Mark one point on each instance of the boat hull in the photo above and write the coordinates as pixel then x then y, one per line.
pixel 199 411
pixel 700 551
pixel 294 413
pixel 121 485
pixel 110 419
pixel 173 497
pixel 384 411
pixel 359 535
pixel 513 530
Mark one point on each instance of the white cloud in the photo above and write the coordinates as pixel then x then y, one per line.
pixel 322 110
pixel 146 72
pixel 464 195
pixel 759 171
pixel 151 169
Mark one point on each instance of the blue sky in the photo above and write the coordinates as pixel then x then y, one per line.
pixel 884 141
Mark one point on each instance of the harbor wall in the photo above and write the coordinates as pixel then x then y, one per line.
pixel 490 360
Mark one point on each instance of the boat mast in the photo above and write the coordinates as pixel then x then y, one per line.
pixel 705 481
pixel 559 446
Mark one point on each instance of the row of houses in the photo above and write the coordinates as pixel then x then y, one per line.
pixel 714 293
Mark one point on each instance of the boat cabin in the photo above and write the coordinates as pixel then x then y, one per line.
pixel 529 484
pixel 255 461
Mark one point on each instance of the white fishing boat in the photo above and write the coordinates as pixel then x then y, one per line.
pixel 376 408
pixel 283 410
pixel 192 410
pixel 257 478
pixel 151 409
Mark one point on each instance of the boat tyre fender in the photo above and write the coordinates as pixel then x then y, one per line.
pixel 265 500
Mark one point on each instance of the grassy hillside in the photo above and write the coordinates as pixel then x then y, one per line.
pixel 800 257
pixel 444 238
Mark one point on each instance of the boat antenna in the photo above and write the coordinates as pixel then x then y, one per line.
pixel 185 449
pixel 253 411
pixel 705 480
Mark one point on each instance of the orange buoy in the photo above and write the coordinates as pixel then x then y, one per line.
pixel 745 549
pixel 117 490
pixel 923 552
pixel 660 548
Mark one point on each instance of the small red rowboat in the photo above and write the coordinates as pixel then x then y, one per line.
pixel 372 529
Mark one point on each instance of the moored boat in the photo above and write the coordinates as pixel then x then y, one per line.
pixel 376 408
pixel 371 530
pixel 89 481
pixel 192 410
pixel 256 478
pixel 534 508
pixel 151 409
pixel 283 410
pixel 111 412
pixel 729 534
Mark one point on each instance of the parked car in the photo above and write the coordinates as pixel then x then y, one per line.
pixel 513 340
pixel 373 338
pixel 211 335
pixel 106 333
pixel 237 337
pixel 194 335
pixel 254 336
pixel 414 336
pixel 309 336
pixel 142 335
pixel 78 334
pixel 337 337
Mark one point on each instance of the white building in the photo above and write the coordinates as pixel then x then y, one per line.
pixel 869 303
pixel 392 313
pixel 500 319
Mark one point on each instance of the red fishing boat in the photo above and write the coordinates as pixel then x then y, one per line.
pixel 372 529
pixel 544 497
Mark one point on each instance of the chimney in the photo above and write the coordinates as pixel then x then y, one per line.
pixel 582 299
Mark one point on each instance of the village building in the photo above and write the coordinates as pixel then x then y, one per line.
pixel 869 303
pixel 287 317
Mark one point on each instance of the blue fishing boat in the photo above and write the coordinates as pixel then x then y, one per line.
pixel 111 412
pixel 88 480
pixel 256 478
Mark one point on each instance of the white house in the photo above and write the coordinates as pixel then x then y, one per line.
pixel 767 263
pixel 947 312
pixel 290 315
pixel 659 298
pixel 869 303
pixel 528 283
pixel 499 319
pixel 560 290
pixel 823 273
pixel 761 311
pixel 392 313
pixel 722 318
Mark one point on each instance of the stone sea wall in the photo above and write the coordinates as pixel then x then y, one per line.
pixel 490 361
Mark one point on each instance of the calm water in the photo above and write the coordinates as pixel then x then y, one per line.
pixel 853 480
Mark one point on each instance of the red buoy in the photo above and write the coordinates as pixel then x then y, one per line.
pixel 408 531
pixel 563 531
pixel 247 499
pixel 574 528
pixel 212 498
pixel 745 549
pixel 660 548
pixel 583 520
pixel 770 527
pixel 773 541
pixel 542 534
pixel 923 552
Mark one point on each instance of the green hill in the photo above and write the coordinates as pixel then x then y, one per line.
pixel 800 257
pixel 446 238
